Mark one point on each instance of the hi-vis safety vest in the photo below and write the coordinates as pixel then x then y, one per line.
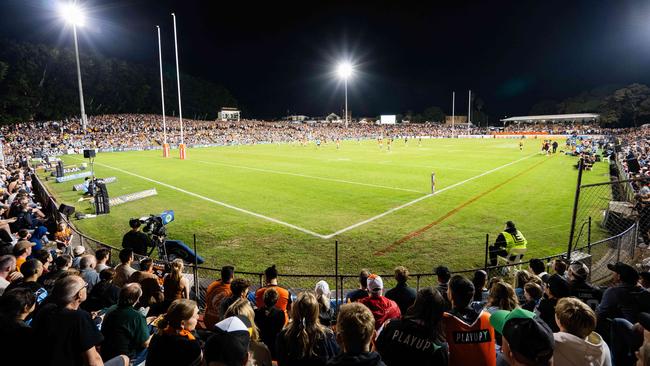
pixel 516 241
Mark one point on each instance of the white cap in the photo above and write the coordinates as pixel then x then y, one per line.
pixel 375 283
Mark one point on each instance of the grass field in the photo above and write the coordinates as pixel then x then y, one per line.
pixel 287 204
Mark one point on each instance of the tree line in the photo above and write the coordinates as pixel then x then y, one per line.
pixel 38 82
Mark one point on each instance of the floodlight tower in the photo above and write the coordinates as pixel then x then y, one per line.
pixel 73 14
pixel 345 70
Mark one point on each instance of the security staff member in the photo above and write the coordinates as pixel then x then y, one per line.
pixel 136 239
pixel 509 239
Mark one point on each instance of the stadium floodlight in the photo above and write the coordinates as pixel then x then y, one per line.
pixel 73 14
pixel 344 70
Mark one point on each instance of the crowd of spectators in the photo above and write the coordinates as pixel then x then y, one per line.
pixel 145 131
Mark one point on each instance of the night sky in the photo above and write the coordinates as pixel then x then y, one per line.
pixel 278 57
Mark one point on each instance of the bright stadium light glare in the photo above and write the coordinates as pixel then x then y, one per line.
pixel 72 14
pixel 344 70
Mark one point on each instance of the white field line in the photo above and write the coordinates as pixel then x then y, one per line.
pixel 308 176
pixel 354 226
pixel 306 231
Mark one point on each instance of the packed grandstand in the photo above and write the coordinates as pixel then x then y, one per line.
pixel 90 305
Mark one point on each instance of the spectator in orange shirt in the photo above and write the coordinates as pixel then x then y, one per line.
pixel 215 294
pixel 22 250
pixel 284 297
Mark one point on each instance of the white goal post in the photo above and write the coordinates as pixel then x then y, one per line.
pixel 433 182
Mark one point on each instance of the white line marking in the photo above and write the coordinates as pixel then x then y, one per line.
pixel 329 236
pixel 306 231
pixel 308 176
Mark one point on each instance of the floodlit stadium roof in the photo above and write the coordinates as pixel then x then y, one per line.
pixel 553 118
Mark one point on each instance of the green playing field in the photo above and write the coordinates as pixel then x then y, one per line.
pixel 287 204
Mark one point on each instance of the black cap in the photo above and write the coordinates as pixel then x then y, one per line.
pixel 628 274
pixel 526 333
pixel 558 286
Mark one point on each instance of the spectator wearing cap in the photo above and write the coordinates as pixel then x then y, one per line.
pixel 271 281
pixel 527 339
pixel 402 294
pixel 305 341
pixel 576 343
pixel 577 274
pixel 175 342
pixel 258 349
pixel 538 267
pixel 123 271
pixel 468 332
pixel 556 288
pixel 124 328
pixel 77 253
pixel 230 342
pixel 382 308
pixel 417 338
pixel 216 292
pixel 620 301
pixel 270 320
pixel 22 250
pixel 354 332
pixel 362 291
pixel 87 270
pixel 443 275
pixel 325 310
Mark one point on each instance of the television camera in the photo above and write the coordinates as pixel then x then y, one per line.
pixel 168 250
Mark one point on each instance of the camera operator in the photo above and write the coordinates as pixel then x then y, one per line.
pixel 136 239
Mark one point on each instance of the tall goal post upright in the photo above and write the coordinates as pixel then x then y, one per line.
pixel 181 146
pixel 162 98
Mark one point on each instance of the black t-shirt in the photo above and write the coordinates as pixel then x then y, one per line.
pixel 136 240
pixel 403 295
pixel 64 335
pixel 48 279
pixel 270 325
pixel 405 342
pixel 16 338
pixel 173 350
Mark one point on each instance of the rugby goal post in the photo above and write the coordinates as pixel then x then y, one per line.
pixel 433 182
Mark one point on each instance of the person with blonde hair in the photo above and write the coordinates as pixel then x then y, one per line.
pixel 355 330
pixel 260 351
pixel 643 355
pixel 501 297
pixel 576 343
pixel 305 340
pixel 175 342
pixel 174 284
pixel 326 313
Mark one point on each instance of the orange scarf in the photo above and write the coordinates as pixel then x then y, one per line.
pixel 183 333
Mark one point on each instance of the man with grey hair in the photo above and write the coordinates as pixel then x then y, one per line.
pixel 87 266
pixel 125 328
pixel 68 335
pixel 7 271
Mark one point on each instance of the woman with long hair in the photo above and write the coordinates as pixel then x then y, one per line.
pixel 175 342
pixel 326 313
pixel 174 284
pixel 422 322
pixel 501 297
pixel 521 279
pixel 305 340
pixel 480 280
pixel 260 351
